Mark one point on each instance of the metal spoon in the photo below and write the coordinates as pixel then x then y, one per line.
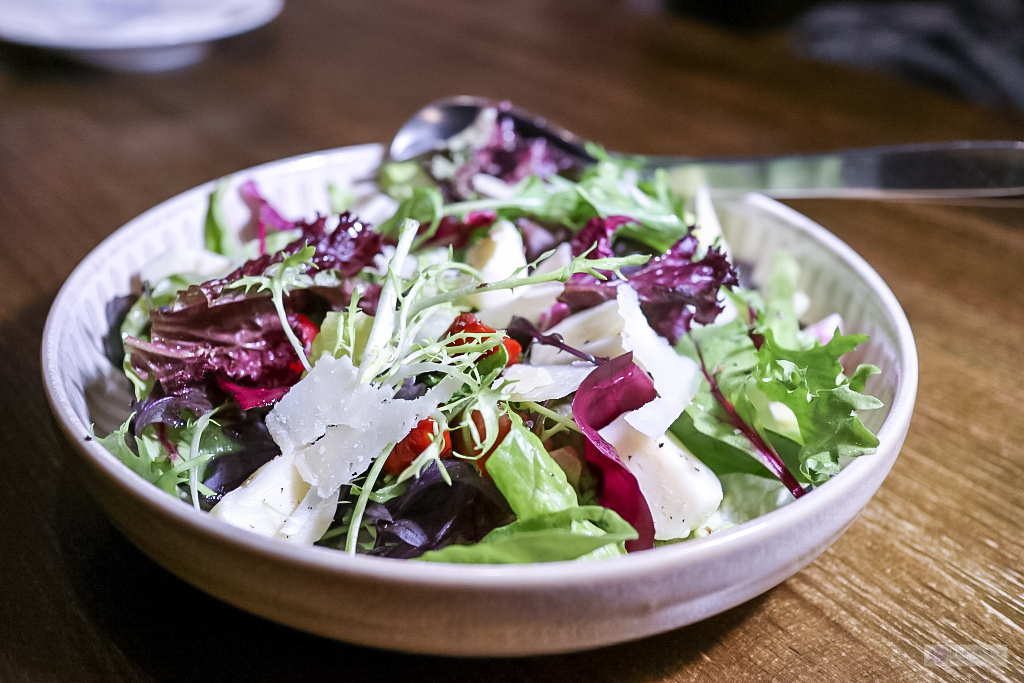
pixel 959 170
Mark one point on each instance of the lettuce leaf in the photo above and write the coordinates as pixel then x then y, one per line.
pixel 812 384
pixel 550 524
pixel 550 537
pixel 217 236
pixel 531 481
pixel 750 370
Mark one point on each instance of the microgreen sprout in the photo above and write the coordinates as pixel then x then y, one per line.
pixel 194 454
pixel 364 494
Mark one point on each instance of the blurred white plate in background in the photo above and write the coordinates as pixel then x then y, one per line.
pixel 131 35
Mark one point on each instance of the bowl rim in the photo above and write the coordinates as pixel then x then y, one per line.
pixel 424 574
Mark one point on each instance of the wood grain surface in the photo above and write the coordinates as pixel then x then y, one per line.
pixel 934 560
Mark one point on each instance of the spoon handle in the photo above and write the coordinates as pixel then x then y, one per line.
pixel 945 170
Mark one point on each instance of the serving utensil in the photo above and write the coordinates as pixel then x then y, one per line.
pixel 960 170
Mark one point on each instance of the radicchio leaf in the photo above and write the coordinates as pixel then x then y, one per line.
pixel 252 397
pixel 262 209
pixel 612 389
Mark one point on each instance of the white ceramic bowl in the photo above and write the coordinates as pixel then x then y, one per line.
pixel 469 609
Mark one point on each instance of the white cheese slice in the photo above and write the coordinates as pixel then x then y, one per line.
pixel 675 377
pixel 334 426
pixel 497 256
pixel 544 382
pixel 682 492
pixel 276 502
pixel 311 518
pixel 265 501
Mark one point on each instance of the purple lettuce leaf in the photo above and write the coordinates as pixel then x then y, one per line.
pixel 236 335
pixel 674 290
pixel 161 408
pixel 614 388
pixel 511 155
pixel 430 514
pixel 349 248
pixel 256 447
pixel 584 291
pixel 457 232
pixel 539 238
pixel 595 238
pixel 242 340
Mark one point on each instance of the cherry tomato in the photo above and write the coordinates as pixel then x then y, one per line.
pixel 467 322
pixel 409 448
pixel 513 349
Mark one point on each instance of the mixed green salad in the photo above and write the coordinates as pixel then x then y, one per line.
pixel 529 360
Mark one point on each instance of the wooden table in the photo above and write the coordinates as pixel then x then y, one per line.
pixel 935 559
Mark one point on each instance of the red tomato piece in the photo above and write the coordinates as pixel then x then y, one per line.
pixel 307 331
pixel 467 322
pixel 513 349
pixel 466 446
pixel 409 448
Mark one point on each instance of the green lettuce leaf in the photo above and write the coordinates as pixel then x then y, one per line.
pixel 527 476
pixel 811 383
pixel 791 390
pixel 549 537
pixel 747 496
pixel 550 525
pixel 342 334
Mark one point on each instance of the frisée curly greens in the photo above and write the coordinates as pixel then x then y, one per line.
pixel 526 360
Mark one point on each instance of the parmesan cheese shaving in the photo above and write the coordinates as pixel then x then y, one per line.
pixel 675 377
pixel 542 383
pixel 334 426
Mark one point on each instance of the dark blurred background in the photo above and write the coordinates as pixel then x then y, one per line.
pixel 973 48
